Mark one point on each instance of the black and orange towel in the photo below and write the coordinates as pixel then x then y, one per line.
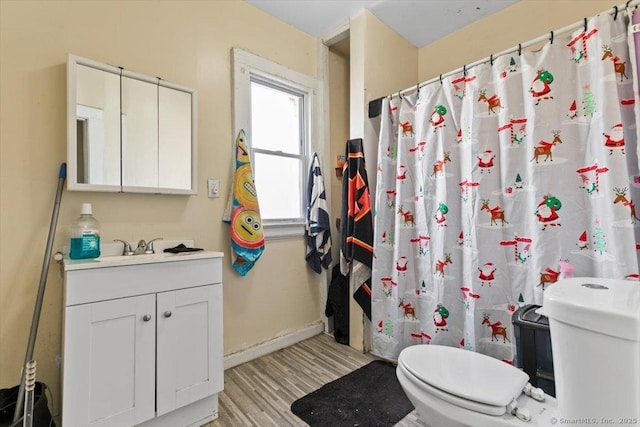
pixel 356 244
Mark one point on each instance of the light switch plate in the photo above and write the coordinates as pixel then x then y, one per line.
pixel 213 188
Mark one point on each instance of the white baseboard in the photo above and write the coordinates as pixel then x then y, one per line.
pixel 240 357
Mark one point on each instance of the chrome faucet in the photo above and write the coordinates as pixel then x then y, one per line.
pixel 142 248
pixel 149 249
pixel 126 250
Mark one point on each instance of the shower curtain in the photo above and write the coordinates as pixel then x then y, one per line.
pixel 496 182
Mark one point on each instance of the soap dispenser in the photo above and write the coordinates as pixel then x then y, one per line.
pixel 85 235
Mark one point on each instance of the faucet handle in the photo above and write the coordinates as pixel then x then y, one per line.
pixel 126 250
pixel 149 249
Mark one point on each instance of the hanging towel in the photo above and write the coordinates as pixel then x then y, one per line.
pixel 318 224
pixel 356 244
pixel 243 212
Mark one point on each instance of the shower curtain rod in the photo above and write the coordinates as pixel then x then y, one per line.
pixel 375 106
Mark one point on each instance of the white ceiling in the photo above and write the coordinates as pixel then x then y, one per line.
pixel 419 21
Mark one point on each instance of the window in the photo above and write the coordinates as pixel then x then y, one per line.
pixel 274 106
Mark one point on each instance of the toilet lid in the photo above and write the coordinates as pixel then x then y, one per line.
pixel 465 374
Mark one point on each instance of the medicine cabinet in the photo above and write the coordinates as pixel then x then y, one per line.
pixel 127 132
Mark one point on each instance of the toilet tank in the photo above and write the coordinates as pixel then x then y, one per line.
pixel 595 336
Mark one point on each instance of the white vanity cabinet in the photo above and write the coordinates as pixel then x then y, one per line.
pixel 142 340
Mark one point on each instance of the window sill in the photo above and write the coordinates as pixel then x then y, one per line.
pixel 283 231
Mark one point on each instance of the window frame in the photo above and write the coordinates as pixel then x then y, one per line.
pixel 247 67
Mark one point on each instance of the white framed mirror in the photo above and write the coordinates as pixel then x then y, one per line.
pixel 127 132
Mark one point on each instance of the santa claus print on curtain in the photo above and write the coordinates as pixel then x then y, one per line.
pixel 495 182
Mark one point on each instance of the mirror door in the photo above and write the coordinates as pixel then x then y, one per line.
pixel 174 143
pixel 94 128
pixel 139 134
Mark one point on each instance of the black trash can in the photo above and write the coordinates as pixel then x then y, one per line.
pixel 41 415
pixel 533 347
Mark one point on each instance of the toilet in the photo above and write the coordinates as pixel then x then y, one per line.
pixel 595 335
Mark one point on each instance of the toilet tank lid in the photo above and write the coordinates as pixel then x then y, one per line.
pixel 463 373
pixel 607 306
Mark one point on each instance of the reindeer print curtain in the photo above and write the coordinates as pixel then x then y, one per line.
pixel 494 183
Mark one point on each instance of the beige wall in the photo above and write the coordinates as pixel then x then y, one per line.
pixel 186 42
pixel 339 132
pixel 381 62
pixel 390 61
pixel 519 23
pixel 390 64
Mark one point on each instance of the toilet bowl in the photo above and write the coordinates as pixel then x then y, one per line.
pixel 451 387
pixel 595 334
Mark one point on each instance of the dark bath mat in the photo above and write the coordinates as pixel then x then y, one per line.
pixel 367 397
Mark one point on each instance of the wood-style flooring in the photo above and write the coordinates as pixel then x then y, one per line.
pixel 260 392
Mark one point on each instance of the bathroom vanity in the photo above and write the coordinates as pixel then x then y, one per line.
pixel 142 340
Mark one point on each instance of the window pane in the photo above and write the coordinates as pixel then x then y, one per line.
pixel 275 119
pixel 278 184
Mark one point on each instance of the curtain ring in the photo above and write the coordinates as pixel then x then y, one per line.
pixel 464 70
pixel 400 95
pixel 519 49
pixel 440 78
pixel 585 25
pixel 627 6
pixel 551 39
pixel 418 88
pixel 615 14
pixel 491 59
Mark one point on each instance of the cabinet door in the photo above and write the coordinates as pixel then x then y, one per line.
pixel 189 341
pixel 109 369
pixel 97 136
pixel 139 133
pixel 174 139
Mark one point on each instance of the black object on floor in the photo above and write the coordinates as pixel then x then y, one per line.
pixel 41 415
pixel 367 397
pixel 338 305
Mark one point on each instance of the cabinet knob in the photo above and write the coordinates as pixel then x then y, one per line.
pixel 167 313
pixel 146 317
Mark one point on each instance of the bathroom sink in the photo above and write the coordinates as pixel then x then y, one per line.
pixel 146 258
pixel 123 260
pixel 134 258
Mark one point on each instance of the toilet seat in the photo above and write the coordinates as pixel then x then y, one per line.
pixel 464 378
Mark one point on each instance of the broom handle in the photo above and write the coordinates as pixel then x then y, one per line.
pixel 30 384
pixel 43 280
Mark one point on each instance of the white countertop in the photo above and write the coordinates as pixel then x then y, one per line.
pixel 122 260
pixel 111 256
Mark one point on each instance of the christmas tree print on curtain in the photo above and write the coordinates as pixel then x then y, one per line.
pixel 495 182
